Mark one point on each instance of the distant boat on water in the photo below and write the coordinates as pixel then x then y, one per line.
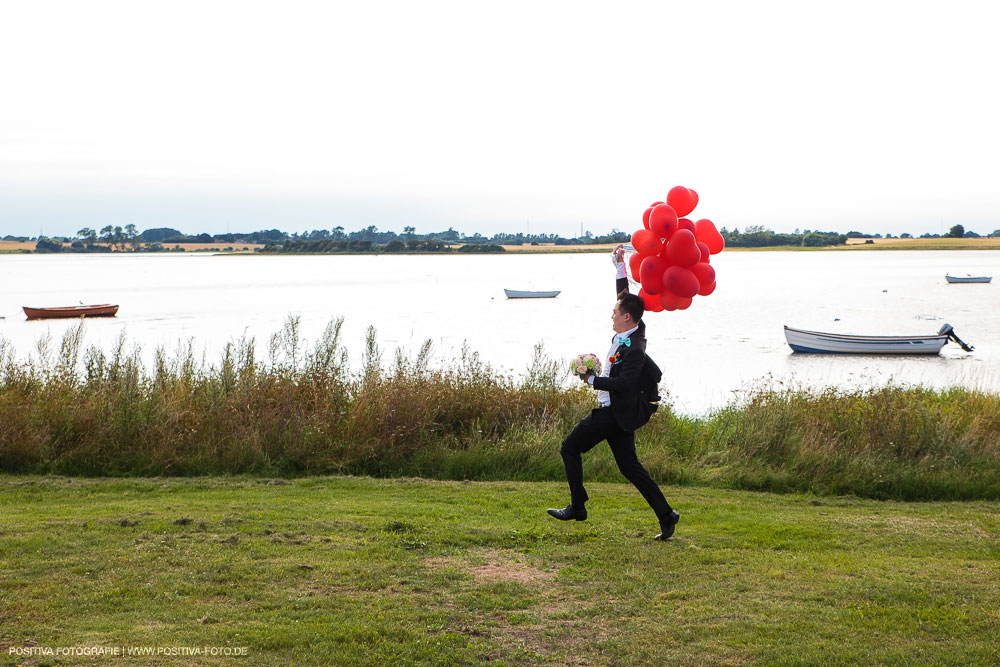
pixel 98 310
pixel 523 294
pixel 801 340
pixel 968 279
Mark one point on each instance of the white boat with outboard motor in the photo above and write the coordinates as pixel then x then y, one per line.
pixel 819 342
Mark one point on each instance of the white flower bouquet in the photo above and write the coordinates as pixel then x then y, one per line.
pixel 585 363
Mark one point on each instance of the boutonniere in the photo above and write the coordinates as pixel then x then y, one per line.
pixel 615 358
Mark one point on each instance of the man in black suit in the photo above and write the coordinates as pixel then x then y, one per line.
pixel 627 397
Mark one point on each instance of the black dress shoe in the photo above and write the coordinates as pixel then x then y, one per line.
pixel 667 524
pixel 569 513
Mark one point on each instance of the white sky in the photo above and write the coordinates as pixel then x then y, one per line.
pixel 504 116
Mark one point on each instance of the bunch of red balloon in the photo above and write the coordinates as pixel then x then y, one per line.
pixel 671 259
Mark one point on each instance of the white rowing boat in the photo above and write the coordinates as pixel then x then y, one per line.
pixel 968 279
pixel 830 343
pixel 522 294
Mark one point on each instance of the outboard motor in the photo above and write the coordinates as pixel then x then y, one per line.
pixel 948 330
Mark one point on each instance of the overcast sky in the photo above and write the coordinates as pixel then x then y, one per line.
pixel 497 117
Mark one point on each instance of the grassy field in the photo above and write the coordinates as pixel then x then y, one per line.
pixel 358 571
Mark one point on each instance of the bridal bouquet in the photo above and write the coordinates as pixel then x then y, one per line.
pixel 585 363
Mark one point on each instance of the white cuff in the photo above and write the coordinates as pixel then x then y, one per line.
pixel 621 270
pixel 590 380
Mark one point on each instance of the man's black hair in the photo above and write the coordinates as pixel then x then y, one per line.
pixel 631 304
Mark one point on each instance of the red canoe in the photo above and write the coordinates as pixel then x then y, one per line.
pixel 100 310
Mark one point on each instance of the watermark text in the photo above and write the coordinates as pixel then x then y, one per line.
pixel 124 651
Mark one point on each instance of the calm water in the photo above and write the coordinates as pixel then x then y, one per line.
pixel 722 346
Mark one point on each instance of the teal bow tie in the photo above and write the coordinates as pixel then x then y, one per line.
pixel 624 340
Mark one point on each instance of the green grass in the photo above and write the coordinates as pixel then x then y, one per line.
pixel 361 571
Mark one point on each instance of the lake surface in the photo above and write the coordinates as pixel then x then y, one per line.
pixel 719 348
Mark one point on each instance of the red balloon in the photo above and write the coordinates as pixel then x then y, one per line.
pixel 682 249
pixel 684 223
pixel 706 232
pixel 670 301
pixel 680 198
pixel 663 221
pixel 705 275
pixel 681 281
pixel 651 274
pixel 646 243
pixel 694 196
pixel 651 302
pixel 656 203
pixel 705 291
pixel 645 217
pixel 633 264
pixel 704 253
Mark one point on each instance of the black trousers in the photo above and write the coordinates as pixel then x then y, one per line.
pixel 600 425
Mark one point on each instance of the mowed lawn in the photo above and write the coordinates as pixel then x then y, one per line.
pixel 336 570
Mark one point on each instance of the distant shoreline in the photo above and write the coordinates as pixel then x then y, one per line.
pixel 854 244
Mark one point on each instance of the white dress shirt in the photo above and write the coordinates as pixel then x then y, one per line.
pixel 603 397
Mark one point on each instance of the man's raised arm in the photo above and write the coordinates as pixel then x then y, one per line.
pixel 621 278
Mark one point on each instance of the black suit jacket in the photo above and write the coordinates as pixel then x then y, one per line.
pixel 632 382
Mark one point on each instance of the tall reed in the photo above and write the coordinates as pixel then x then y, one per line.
pixel 304 410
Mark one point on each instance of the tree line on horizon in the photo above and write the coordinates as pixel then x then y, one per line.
pixel 371 239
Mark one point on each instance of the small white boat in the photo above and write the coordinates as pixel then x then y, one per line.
pixel 830 343
pixel 968 279
pixel 522 294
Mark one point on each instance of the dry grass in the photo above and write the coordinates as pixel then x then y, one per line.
pixel 15 246
pixel 496 565
pixel 852 244
pixel 305 412
pixel 595 247
pixel 927 244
